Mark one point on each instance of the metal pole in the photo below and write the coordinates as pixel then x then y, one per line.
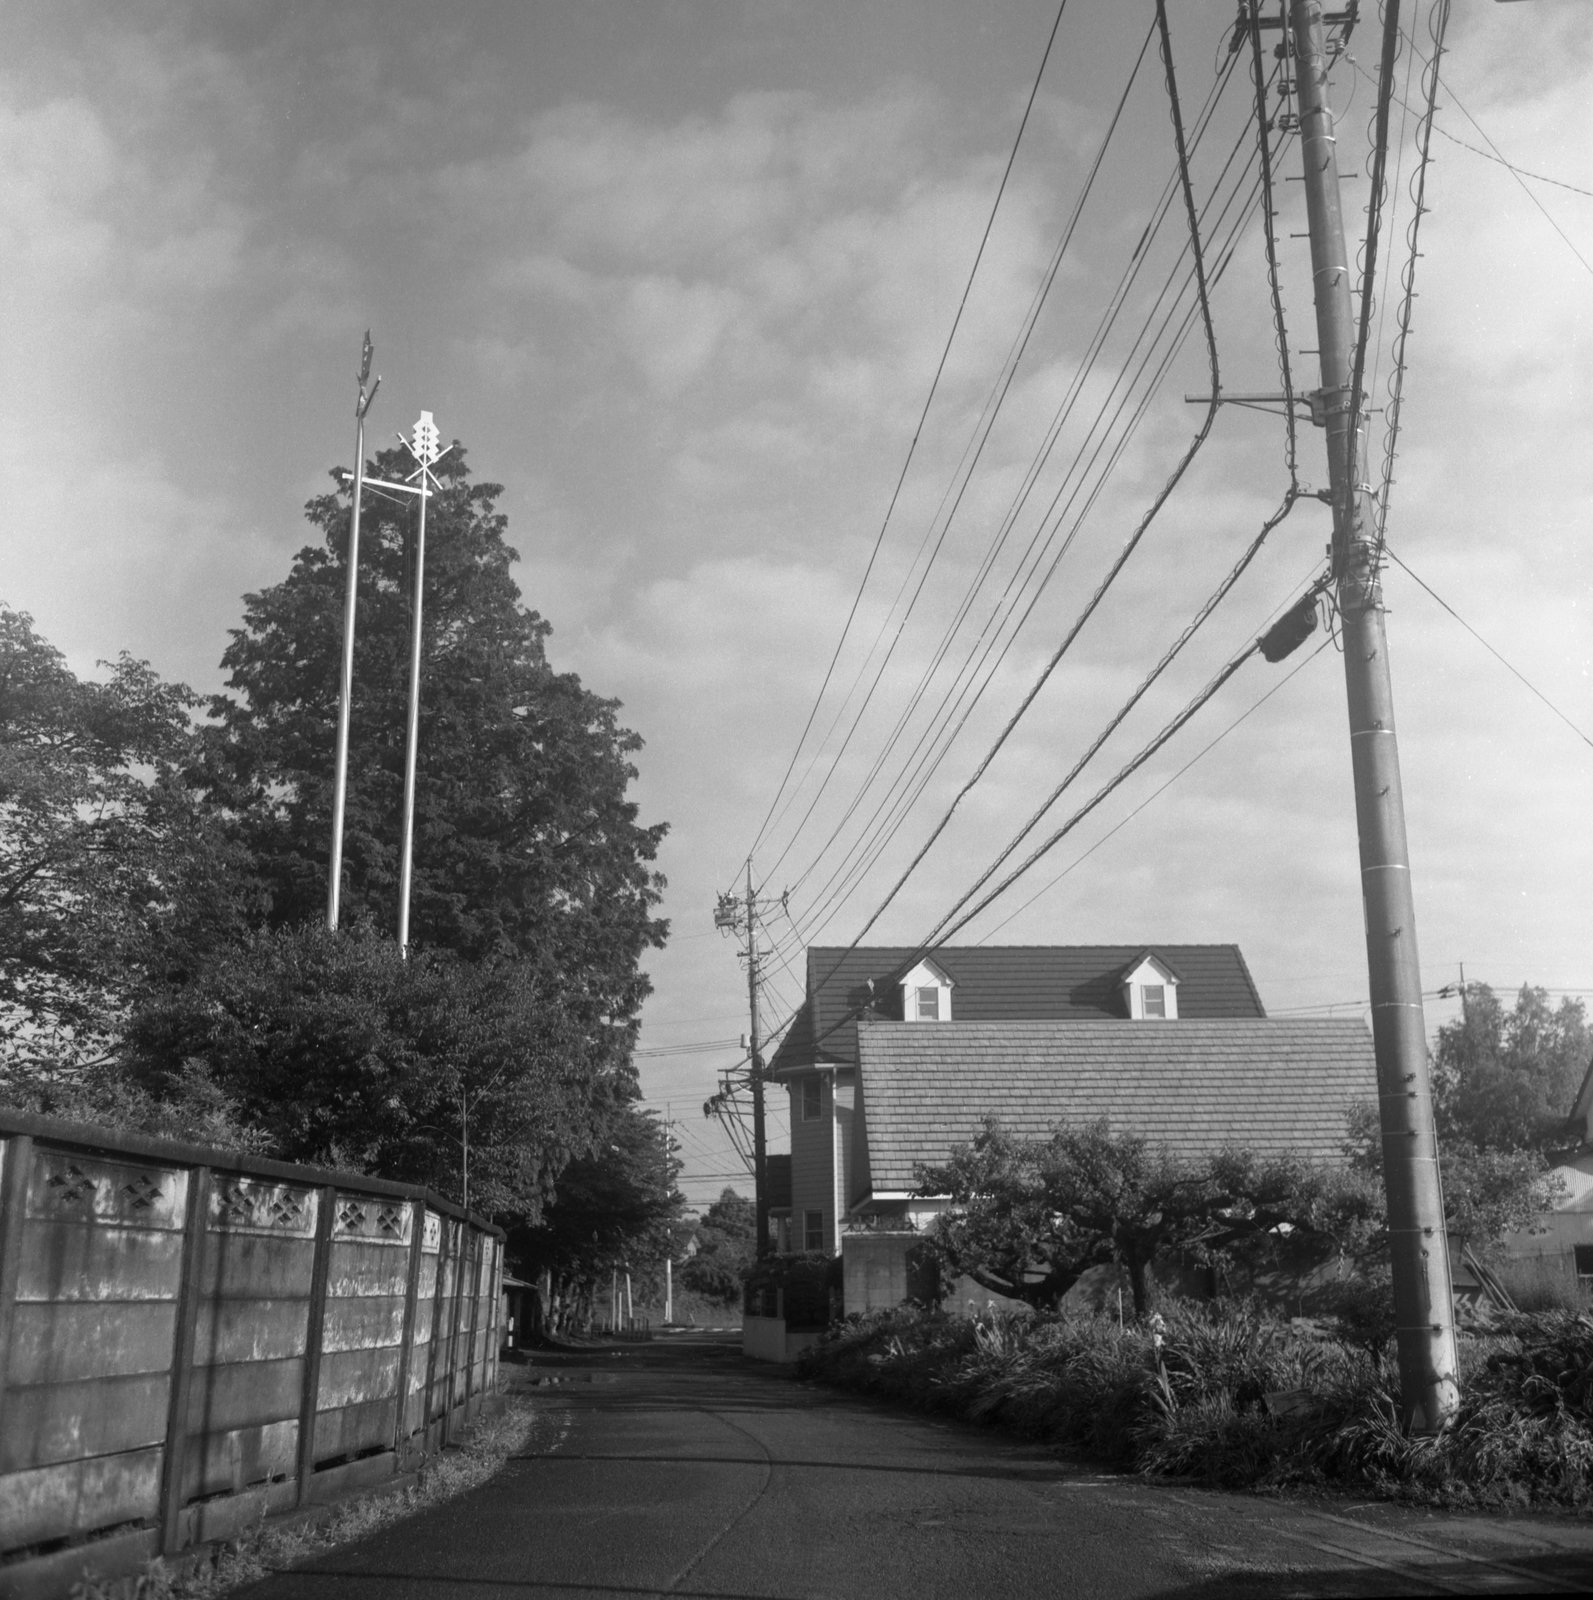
pixel 345 694
pixel 760 1161
pixel 413 740
pixel 1418 1244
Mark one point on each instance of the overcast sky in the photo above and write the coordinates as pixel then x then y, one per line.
pixel 679 273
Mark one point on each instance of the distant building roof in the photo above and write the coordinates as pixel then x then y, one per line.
pixel 1273 1086
pixel 1005 983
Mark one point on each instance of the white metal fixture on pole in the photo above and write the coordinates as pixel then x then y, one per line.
pixel 423 446
pixel 346 681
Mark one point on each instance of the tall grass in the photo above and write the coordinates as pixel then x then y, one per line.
pixel 1235 1396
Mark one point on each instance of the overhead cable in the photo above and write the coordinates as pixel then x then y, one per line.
pixel 1174 478
pixel 918 430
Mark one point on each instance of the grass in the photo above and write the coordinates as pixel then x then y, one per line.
pixel 1233 1396
pixel 265 1548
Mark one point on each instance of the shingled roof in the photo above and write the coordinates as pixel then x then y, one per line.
pixel 1274 1086
pixel 1004 983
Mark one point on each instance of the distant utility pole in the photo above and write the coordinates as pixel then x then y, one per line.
pixel 1418 1243
pixel 736 914
pixel 345 692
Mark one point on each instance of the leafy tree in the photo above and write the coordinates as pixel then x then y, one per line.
pixel 1506 1080
pixel 526 845
pixel 726 1246
pixel 1028 1218
pixel 468 1076
pixel 616 1207
pixel 112 876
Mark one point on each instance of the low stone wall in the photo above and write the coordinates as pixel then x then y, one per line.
pixel 191 1340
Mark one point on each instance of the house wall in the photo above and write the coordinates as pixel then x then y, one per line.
pixel 812 1163
pixel 1571 1224
pixel 822 1155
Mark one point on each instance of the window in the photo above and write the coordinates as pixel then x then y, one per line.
pixel 812 1099
pixel 1584 1264
pixel 1155 999
pixel 812 1230
pixel 927 1008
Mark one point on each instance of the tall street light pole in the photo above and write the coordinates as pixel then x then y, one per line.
pixel 423 446
pixel 1418 1243
pixel 334 887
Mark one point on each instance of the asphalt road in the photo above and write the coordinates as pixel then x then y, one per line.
pixel 677 1468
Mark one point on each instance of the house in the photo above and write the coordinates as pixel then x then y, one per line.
pixel 1560 1257
pixel 894 1059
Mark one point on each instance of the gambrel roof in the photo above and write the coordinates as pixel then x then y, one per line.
pixel 1273 1086
pixel 1004 983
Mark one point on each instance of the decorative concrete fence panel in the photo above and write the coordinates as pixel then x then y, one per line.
pixel 190 1340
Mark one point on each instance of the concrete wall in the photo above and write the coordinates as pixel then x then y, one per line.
pixel 190 1340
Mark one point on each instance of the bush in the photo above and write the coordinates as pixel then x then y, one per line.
pixel 803 1287
pixel 1231 1395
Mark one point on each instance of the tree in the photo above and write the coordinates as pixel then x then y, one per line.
pixel 1028 1218
pixel 526 845
pixel 471 1077
pixel 726 1246
pixel 616 1208
pixel 1506 1080
pixel 112 875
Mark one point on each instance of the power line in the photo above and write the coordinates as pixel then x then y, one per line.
pixel 1514 671
pixel 971 456
pixel 918 431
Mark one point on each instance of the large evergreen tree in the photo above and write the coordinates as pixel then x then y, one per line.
pixel 527 846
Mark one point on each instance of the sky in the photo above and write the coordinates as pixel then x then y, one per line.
pixel 681 275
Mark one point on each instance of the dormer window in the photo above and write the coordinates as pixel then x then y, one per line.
pixel 926 994
pixel 1149 988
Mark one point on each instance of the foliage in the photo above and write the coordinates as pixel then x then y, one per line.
pixel 111 875
pixel 726 1241
pixel 526 845
pixel 1027 1218
pixel 805 1284
pixel 1506 1080
pixel 1192 1399
pixel 349 1056
pixel 615 1207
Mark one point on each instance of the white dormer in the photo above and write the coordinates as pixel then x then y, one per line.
pixel 1150 989
pixel 926 994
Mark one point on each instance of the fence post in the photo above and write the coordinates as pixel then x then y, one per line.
pixel 453 1333
pixel 315 1329
pixel 475 1319
pixel 406 1353
pixel 174 1456
pixel 436 1331
pixel 13 1207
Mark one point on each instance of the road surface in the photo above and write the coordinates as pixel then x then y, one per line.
pixel 677 1468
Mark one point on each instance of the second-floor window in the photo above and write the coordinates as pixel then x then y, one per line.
pixel 927 1008
pixel 812 1230
pixel 1155 1000
pixel 812 1099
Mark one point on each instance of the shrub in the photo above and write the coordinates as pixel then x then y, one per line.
pixel 1188 1397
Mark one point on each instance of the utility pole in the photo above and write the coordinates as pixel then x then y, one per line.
pixel 729 915
pixel 345 694
pixel 1418 1243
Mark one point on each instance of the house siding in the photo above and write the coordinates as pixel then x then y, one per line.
pixel 812 1162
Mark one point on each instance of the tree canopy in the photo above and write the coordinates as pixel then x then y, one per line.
pixel 726 1241
pixel 111 875
pixel 1506 1080
pixel 526 842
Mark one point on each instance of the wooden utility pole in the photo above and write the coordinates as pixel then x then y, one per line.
pixel 1418 1243
pixel 728 916
pixel 760 1148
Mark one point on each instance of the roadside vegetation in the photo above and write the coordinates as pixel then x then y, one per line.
pixel 164 865
pixel 1235 1396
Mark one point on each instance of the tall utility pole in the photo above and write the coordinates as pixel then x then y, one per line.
pixel 730 914
pixel 345 692
pixel 1418 1244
